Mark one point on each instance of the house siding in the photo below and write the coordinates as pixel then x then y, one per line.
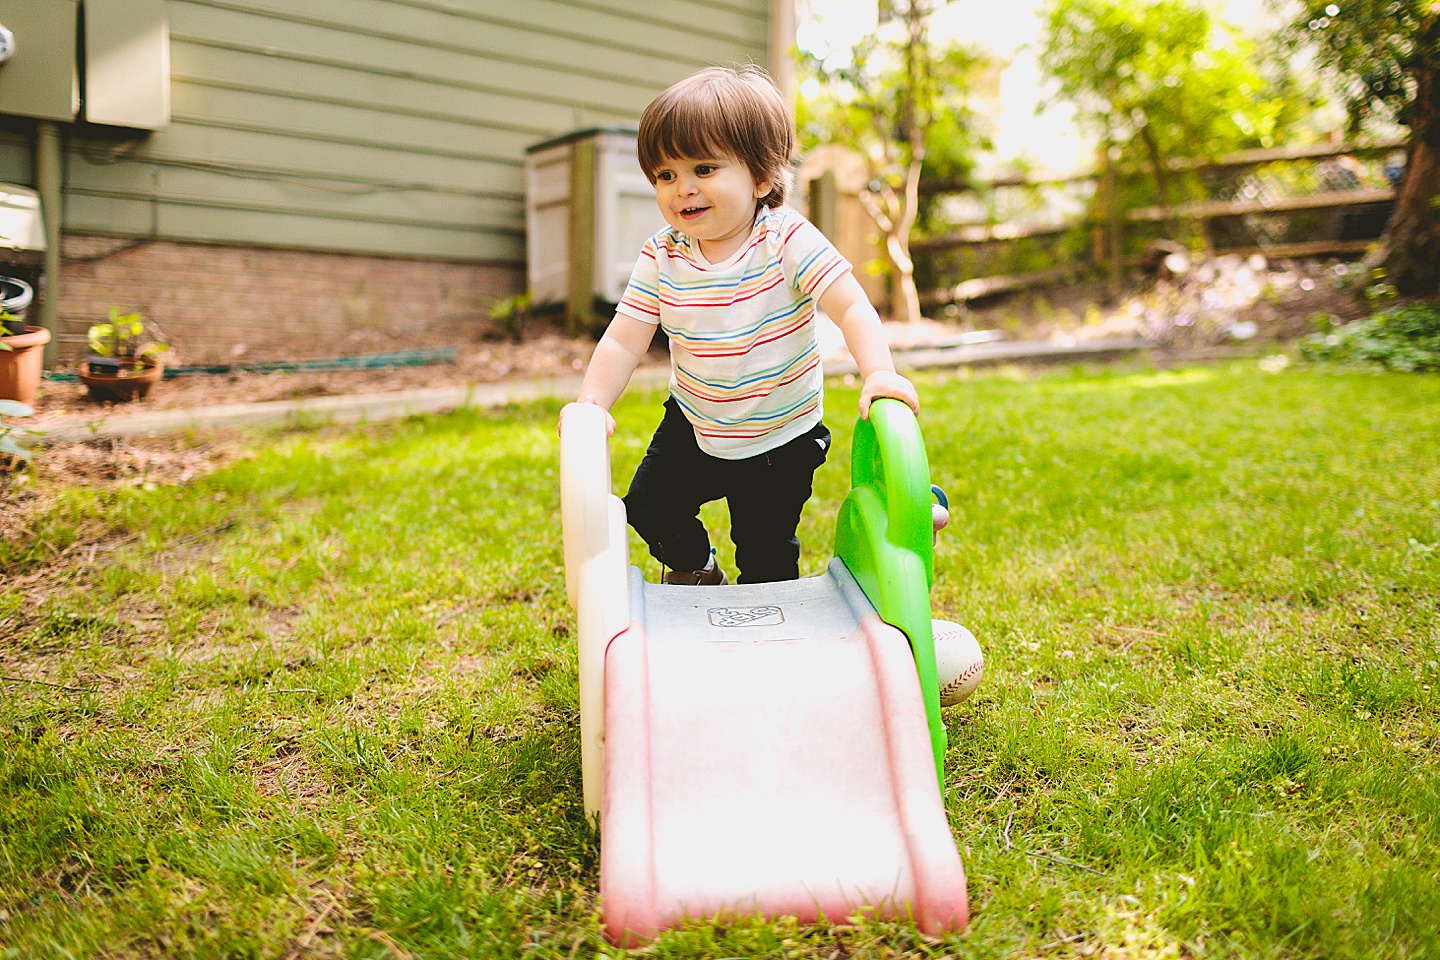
pixel 372 128
pixel 384 126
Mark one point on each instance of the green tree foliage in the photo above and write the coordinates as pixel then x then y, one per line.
pixel 1386 54
pixel 858 115
pixel 1160 79
pixel 902 103
pixel 1371 46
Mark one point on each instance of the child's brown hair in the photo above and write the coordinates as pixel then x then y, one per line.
pixel 720 111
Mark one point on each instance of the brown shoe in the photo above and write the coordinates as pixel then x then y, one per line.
pixel 711 576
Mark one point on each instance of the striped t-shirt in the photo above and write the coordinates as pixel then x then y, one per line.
pixel 745 364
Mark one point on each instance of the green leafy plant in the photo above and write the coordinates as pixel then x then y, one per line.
pixel 511 314
pixel 1380 290
pixel 4 330
pixel 9 446
pixel 126 338
pixel 1401 338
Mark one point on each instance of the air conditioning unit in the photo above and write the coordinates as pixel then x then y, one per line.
pixel 590 179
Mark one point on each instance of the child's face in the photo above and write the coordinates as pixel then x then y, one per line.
pixel 711 199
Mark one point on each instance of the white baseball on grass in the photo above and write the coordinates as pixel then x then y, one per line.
pixel 959 664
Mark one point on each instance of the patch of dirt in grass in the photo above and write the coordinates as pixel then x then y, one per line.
pixel 135 461
pixel 29 492
pixel 203 702
pixel 278 625
pixel 207 651
pixel 474 663
pixel 289 774
pixel 381 700
pixel 315 939
pixel 41 655
pixel 1119 641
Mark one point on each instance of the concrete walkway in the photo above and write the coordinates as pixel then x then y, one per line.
pixel 385 406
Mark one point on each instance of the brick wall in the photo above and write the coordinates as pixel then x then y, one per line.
pixel 222 304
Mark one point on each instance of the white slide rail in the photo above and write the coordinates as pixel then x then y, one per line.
pixel 597 572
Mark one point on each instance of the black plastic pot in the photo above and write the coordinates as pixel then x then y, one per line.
pixel 15 297
pixel 107 366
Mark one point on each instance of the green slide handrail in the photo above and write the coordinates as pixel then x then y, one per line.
pixel 885 537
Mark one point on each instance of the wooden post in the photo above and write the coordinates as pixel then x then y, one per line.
pixel 580 312
pixel 1112 223
pixel 781 39
pixel 825 205
pixel 49 184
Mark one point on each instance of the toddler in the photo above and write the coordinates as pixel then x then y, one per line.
pixel 733 280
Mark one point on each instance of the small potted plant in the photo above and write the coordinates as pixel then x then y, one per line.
pixel 22 347
pixel 124 361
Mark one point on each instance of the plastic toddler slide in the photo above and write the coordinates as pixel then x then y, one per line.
pixel 770 748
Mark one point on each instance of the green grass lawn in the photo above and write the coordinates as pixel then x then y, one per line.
pixel 323 701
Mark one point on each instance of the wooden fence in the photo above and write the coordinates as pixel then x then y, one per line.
pixel 1114 228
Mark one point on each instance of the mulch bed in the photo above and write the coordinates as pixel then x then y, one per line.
pixel 545 356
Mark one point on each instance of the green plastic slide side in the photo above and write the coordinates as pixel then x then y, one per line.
pixel 885 537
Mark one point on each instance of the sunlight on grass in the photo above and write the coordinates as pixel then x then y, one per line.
pixel 1139 381
pixel 324 701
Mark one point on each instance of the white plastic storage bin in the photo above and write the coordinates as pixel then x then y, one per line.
pixel 625 213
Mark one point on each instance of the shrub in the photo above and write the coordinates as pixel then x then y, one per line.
pixel 1401 338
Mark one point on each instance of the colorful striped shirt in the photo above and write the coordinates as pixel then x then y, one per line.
pixel 745 364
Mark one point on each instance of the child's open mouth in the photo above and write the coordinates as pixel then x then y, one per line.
pixel 690 213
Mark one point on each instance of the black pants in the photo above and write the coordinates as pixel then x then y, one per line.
pixel 766 494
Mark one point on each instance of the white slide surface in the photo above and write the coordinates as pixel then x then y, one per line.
pixel 766 752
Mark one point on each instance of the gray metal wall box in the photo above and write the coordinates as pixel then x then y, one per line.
pixel 40 80
pixel 127 63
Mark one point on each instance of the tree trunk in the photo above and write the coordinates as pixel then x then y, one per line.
pixel 1162 180
pixel 897 245
pixel 897 218
pixel 907 295
pixel 1409 250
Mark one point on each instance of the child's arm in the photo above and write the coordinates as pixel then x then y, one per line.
pixel 615 358
pixel 845 303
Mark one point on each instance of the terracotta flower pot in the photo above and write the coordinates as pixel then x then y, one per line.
pixel 22 364
pixel 132 385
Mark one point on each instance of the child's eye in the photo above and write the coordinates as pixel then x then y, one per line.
pixel 665 175
pixel 704 169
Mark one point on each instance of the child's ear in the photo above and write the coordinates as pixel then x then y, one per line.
pixel 763 188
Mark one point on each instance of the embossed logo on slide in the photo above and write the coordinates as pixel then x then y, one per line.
pixel 745 616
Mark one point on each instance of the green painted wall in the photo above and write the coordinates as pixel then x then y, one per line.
pixel 381 126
